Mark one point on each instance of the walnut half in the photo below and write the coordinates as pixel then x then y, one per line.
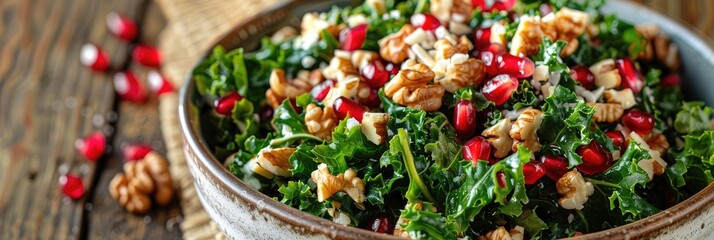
pixel 498 136
pixel 276 160
pixel 392 48
pixel 607 112
pixel 281 88
pixel 142 181
pixel 524 130
pixel 574 190
pixel 409 88
pixel 320 122
pixel 328 184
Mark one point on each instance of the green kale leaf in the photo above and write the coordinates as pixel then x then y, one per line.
pixel 693 118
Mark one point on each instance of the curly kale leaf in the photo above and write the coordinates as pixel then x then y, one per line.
pixel 694 163
pixel 298 195
pixel 423 223
pixel 693 118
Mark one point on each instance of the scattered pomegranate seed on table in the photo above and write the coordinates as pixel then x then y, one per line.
pixel 224 105
pixel 94 57
pixel 158 83
pixel 345 107
pixel 478 148
pixel 146 55
pixel 464 119
pixel 133 152
pixel 595 158
pixel 71 186
pixel 122 26
pixel 129 88
pixel 353 38
pixel 92 146
pixel 639 121
pixel 583 75
pixel 499 88
pixel 425 21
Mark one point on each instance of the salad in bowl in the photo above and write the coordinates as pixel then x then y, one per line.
pixel 461 119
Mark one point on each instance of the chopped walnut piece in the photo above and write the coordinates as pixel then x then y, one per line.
pixel 313 24
pixel 499 233
pixel 361 58
pixel 606 74
pixel 528 36
pixel 658 142
pixel 411 77
pixel 625 97
pixel 281 88
pixel 655 165
pixel 441 9
pixel 315 77
pixel 320 122
pixel 276 160
pixel 565 25
pixel 328 184
pixel 460 10
pixel 374 127
pixel 570 23
pixel 427 98
pixel 524 130
pixel 348 87
pixel 499 137
pixel 458 72
pixel 667 52
pixel 607 112
pixel 392 48
pixel 574 190
pixel 339 67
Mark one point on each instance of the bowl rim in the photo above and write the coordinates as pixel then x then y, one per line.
pixel 302 221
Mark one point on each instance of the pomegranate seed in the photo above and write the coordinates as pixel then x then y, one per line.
pixel 631 78
pixel 94 57
pixel 224 105
pixel 425 21
pixel 618 139
pixel 71 186
pixel 638 121
pixel 158 83
pixel 478 148
pixel 501 177
pixel 533 172
pixel 583 75
pixel 498 5
pixel 375 75
pixel 499 88
pixel 490 56
pixel 122 26
pixel 382 225
pixel 91 146
pixel 392 68
pixel 555 166
pixel 671 80
pixel 545 9
pixel 128 87
pixel 519 67
pixel 319 92
pixel 146 55
pixel 265 113
pixel 344 106
pixel 482 38
pixel 373 100
pixel 464 119
pixel 135 152
pixel 353 39
pixel 595 158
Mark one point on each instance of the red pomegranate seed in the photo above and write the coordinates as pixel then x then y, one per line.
pixel 499 88
pixel 224 105
pixel 631 78
pixel 265 113
pixel 158 83
pixel 92 146
pixel 671 80
pixel 382 225
pixel 122 26
pixel 353 39
pixel 94 57
pixel 425 21
pixel 71 186
pixel 638 121
pixel 533 172
pixel 319 92
pixel 545 9
pixel 344 106
pixel 618 139
pixel 464 119
pixel 595 158
pixel 519 67
pixel 583 75
pixel 373 100
pixel 490 57
pixel 555 166
pixel 146 55
pixel 375 75
pixel 482 38
pixel 478 148
pixel 392 68
pixel 501 177
pixel 128 87
pixel 133 152
pixel 498 5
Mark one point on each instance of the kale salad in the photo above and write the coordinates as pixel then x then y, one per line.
pixel 447 119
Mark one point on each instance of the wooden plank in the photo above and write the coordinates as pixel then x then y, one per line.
pixel 47 100
pixel 137 123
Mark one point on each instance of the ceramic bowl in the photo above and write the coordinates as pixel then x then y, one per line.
pixel 244 213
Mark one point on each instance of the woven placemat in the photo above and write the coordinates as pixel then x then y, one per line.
pixel 191 28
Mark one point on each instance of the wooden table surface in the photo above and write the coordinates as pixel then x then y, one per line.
pixel 47 100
